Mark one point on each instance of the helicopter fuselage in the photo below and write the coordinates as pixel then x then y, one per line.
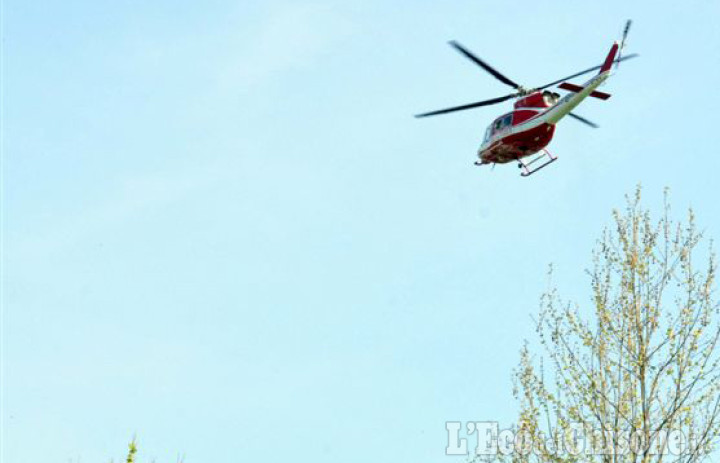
pixel 531 126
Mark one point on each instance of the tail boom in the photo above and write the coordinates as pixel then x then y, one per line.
pixel 571 100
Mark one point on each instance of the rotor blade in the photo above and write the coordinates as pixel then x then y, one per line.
pixel 595 68
pixel 625 32
pixel 483 65
pixel 583 120
pixel 469 106
pixel 622 42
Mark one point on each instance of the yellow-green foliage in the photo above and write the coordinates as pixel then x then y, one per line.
pixel 132 453
pixel 642 356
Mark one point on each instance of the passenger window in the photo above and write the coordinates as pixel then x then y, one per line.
pixel 507 121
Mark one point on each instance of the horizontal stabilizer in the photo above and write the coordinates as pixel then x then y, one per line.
pixel 577 89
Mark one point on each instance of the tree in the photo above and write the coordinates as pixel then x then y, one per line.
pixel 637 374
pixel 132 453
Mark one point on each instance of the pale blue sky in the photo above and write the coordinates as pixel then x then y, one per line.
pixel 224 231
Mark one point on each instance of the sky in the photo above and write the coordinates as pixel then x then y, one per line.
pixel 224 232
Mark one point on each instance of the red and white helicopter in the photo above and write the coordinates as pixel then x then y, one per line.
pixel 523 134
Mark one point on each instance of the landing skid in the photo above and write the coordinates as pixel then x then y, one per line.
pixel 545 156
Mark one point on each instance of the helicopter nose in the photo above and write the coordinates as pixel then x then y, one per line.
pixel 481 158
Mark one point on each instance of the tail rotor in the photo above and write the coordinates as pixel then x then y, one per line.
pixel 622 42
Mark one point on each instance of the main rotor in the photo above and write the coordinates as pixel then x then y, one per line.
pixel 519 89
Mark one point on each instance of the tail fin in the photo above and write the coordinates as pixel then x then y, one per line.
pixel 610 58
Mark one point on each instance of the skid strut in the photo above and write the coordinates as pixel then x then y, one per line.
pixel 545 157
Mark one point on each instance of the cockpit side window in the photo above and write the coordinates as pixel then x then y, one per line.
pixel 503 122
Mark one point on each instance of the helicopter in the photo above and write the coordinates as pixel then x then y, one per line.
pixel 523 134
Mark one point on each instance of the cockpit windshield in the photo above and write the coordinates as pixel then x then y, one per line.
pixel 488 132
